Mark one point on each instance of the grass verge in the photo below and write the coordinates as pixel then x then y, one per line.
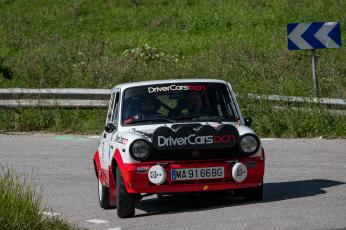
pixel 293 120
pixel 20 205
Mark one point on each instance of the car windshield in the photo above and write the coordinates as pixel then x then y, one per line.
pixel 183 102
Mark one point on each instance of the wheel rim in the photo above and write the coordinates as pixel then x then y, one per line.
pixel 100 190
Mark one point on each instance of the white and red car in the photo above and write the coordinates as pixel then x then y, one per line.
pixel 173 137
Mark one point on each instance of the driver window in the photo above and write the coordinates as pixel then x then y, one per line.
pixel 111 105
pixel 114 116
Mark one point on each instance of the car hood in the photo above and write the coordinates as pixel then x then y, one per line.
pixel 127 135
pixel 147 130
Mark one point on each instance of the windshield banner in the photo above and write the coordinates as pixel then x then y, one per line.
pixel 172 88
pixel 203 137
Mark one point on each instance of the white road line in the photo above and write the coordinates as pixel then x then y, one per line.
pixel 94 137
pixel 51 213
pixel 114 229
pixel 267 139
pixel 98 221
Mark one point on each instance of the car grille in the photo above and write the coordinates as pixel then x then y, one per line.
pixel 186 154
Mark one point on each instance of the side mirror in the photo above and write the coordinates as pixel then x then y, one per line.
pixel 110 127
pixel 248 121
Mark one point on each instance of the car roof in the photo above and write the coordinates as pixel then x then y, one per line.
pixel 167 81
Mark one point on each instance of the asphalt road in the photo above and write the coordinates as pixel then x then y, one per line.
pixel 305 187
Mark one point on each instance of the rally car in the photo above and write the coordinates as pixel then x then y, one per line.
pixel 172 137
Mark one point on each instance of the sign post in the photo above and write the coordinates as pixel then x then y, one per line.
pixel 314 35
pixel 314 72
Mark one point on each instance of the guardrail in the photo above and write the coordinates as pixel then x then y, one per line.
pixel 328 102
pixel 98 98
pixel 71 97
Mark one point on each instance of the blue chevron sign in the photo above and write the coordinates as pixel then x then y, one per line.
pixel 314 35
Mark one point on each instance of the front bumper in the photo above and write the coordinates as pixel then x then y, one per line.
pixel 136 178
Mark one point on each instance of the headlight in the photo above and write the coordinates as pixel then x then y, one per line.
pixel 249 144
pixel 140 150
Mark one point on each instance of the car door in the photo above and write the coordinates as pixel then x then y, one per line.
pixel 104 135
pixel 110 130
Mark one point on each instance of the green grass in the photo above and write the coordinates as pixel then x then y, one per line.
pixel 53 120
pixel 20 205
pixel 81 44
pixel 294 120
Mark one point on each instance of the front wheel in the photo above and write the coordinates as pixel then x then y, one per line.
pixel 103 193
pixel 125 200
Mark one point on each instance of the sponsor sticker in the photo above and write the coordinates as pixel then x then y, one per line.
pixel 121 140
pixel 204 136
pixel 168 88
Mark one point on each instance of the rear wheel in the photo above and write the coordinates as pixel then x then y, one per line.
pixel 103 193
pixel 253 194
pixel 125 200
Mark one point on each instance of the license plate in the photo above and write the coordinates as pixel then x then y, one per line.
pixel 197 173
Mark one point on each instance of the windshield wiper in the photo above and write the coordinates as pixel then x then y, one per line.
pixel 153 120
pixel 200 117
pixel 213 118
pixel 186 116
pixel 219 120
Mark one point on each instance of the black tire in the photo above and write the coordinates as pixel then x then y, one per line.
pixel 103 194
pixel 253 194
pixel 125 201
